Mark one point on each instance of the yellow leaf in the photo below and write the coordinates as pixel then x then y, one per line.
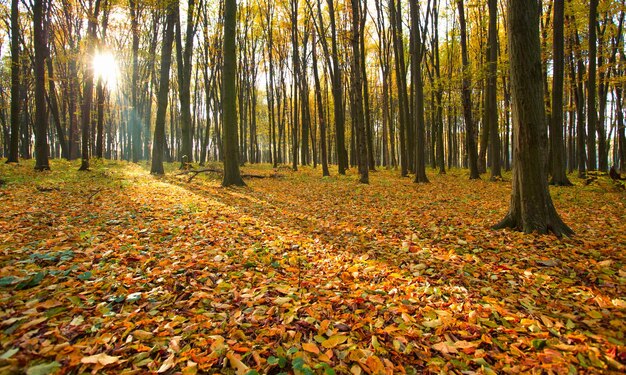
pixel 168 364
pixel 237 364
pixel 445 348
pixel 311 347
pixel 101 359
pixel 333 341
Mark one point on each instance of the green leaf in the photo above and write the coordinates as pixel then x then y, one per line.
pixel 44 369
pixel 133 297
pixel 85 276
pixel 272 360
pixel 252 372
pixel 9 353
pixel 538 344
pixel 298 363
pixel 31 281
pixel 7 280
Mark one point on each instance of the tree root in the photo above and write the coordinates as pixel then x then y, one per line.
pixel 195 172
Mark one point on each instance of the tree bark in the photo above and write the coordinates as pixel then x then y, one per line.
pixel 41 121
pixel 159 145
pixel 592 114
pixel 88 88
pixel 232 175
pixel 418 95
pixel 531 208
pixel 15 84
pixel 492 100
pixel 557 163
pixel 472 153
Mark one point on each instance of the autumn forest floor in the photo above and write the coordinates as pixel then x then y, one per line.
pixel 118 271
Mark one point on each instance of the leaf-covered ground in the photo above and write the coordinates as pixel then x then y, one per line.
pixel 116 271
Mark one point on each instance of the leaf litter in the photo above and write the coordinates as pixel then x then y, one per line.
pixel 301 275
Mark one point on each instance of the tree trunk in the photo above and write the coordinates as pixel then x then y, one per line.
pixel 337 87
pixel 557 163
pixel 592 114
pixel 531 208
pixel 396 30
pixel 88 88
pixel 357 89
pixel 320 109
pixel 15 84
pixel 492 100
pixel 232 175
pixel 418 95
pixel 184 61
pixel 41 121
pixel 159 145
pixel 472 153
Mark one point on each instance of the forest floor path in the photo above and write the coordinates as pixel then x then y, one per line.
pixel 117 271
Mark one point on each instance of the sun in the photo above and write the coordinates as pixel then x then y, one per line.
pixel 105 68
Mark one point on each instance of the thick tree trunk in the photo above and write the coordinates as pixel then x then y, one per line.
pixel 531 208
pixel 557 163
pixel 41 121
pixel 232 175
pixel 159 145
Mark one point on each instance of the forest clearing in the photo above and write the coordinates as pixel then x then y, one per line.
pixel 119 271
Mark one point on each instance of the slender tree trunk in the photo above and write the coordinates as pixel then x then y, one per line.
pixel 337 87
pixel 54 109
pixel 41 121
pixel 15 84
pixel 531 208
pixel 396 30
pixel 492 100
pixel 592 114
pixel 357 93
pixel 159 141
pixel 472 153
pixel 418 95
pixel 320 109
pixel 559 177
pixel 134 115
pixel 184 64
pixel 88 88
pixel 232 175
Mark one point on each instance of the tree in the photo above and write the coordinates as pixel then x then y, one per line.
pixel 337 84
pixel 15 84
pixel 557 164
pixel 472 153
pixel 184 64
pixel 158 146
pixel 357 92
pixel 41 121
pixel 592 114
pixel 531 208
pixel 88 85
pixel 418 94
pixel 492 101
pixel 232 175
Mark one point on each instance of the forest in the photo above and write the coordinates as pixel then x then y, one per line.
pixel 312 187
